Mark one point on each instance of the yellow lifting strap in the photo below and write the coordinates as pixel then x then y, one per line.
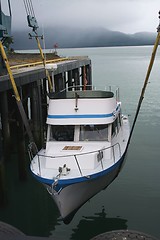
pixel 17 96
pixel 44 63
pixel 5 59
pixel 145 82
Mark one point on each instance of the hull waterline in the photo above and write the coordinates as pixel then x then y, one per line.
pixel 72 197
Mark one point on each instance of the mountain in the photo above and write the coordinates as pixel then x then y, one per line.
pixel 68 37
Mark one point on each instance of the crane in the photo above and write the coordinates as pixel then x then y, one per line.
pixel 32 23
pixel 5 22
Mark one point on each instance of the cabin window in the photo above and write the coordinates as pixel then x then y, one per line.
pixel 94 132
pixel 116 125
pixel 61 133
pixel 113 129
pixel 119 119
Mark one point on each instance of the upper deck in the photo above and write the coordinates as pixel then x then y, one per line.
pixel 82 107
pixel 81 94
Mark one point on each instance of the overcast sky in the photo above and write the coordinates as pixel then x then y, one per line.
pixel 128 16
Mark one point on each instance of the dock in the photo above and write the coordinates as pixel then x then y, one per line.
pixel 32 84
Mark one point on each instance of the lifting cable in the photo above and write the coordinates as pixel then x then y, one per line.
pixel 29 8
pixel 146 80
pixel 32 22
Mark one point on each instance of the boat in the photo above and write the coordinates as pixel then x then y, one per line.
pixel 85 148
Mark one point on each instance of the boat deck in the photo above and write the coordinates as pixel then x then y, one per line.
pixel 80 164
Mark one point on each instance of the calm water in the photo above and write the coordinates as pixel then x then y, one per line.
pixel 132 200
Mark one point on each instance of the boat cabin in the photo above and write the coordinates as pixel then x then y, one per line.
pixel 83 116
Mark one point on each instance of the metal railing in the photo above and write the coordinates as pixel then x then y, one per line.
pixel 115 149
pixel 32 150
pixel 74 88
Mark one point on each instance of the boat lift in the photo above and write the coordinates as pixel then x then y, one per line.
pixel 157 41
pixel 32 23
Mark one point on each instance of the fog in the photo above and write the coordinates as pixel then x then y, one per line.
pixel 128 16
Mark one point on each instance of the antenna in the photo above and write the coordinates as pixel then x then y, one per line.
pixel 158 28
pixel 32 23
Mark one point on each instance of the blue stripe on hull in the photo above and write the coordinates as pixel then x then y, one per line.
pixel 63 183
pixel 80 116
pixel 83 115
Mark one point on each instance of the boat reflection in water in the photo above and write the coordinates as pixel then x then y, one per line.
pixel 92 226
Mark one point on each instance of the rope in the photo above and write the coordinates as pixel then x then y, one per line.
pixel 145 83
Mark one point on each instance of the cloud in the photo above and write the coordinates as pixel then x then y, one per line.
pixel 128 16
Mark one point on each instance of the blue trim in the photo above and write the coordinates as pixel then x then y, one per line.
pixel 65 183
pixel 81 116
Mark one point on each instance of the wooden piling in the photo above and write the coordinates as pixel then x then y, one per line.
pixel 76 77
pixel 36 114
pixel 21 145
pixel 3 195
pixel 21 149
pixel 70 82
pixel 59 83
pixel 5 125
pixel 89 76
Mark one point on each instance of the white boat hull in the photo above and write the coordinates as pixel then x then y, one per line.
pixel 85 148
pixel 73 196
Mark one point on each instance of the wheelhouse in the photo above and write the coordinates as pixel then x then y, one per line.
pixel 85 132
